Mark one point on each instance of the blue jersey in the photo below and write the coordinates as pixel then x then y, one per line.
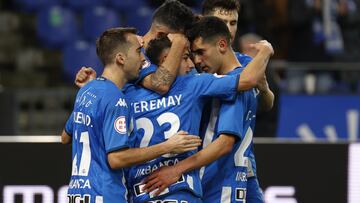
pixel 244 60
pixel 160 117
pixel 225 180
pixel 146 69
pixel 99 124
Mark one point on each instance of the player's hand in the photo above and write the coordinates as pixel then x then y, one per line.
pixel 263 46
pixel 183 142
pixel 85 75
pixel 160 179
pixel 179 38
pixel 262 84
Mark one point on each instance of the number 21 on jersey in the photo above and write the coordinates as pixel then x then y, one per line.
pixel 85 159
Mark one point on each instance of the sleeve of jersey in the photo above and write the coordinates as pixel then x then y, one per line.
pixel 231 117
pixel 146 70
pixel 69 126
pixel 115 132
pixel 223 87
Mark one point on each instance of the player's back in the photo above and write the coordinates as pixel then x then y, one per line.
pixel 159 117
pixel 92 179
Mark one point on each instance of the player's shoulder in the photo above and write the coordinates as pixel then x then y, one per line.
pixel 107 91
pixel 185 80
pixel 243 58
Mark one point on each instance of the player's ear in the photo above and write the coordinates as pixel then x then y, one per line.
pixel 163 59
pixel 120 58
pixel 222 45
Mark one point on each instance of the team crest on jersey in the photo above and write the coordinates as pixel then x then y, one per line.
pixel 146 64
pixel 120 125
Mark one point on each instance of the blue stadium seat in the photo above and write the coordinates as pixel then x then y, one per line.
pixel 126 5
pixel 35 5
pixel 140 18
pixel 56 26
pixel 78 54
pixel 82 4
pixel 96 20
pixel 341 88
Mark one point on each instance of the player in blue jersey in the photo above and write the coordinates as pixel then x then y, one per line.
pixel 228 11
pixel 101 126
pixel 247 80
pixel 158 50
pixel 171 17
pixel 211 40
pixel 156 120
pixel 180 109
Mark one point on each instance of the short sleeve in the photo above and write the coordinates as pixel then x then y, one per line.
pixel 116 124
pixel 223 87
pixel 146 70
pixel 69 126
pixel 231 117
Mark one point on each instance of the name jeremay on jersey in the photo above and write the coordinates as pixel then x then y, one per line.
pixel 164 102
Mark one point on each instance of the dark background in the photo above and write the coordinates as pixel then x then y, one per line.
pixel 317 171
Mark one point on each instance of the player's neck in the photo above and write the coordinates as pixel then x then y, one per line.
pixel 115 75
pixel 230 62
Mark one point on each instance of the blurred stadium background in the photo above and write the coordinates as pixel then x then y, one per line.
pixel 307 147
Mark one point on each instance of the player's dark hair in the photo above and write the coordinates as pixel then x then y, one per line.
pixel 156 47
pixel 174 15
pixel 209 6
pixel 209 28
pixel 111 41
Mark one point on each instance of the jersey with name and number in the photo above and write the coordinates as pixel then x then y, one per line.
pixel 99 124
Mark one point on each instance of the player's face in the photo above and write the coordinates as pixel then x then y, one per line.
pixel 134 58
pixel 206 56
pixel 186 64
pixel 230 17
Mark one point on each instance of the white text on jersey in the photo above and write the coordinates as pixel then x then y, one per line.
pixel 79 184
pixel 164 102
pixel 149 169
pixel 82 118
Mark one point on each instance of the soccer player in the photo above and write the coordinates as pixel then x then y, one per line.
pixel 157 116
pixel 158 50
pixel 171 17
pixel 101 125
pixel 228 11
pixel 248 80
pixel 224 180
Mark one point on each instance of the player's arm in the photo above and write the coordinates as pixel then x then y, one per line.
pixel 161 80
pixel 66 133
pixel 179 143
pixel 266 96
pixel 65 138
pixel 167 175
pixel 255 70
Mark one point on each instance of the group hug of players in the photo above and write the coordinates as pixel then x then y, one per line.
pixel 149 130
